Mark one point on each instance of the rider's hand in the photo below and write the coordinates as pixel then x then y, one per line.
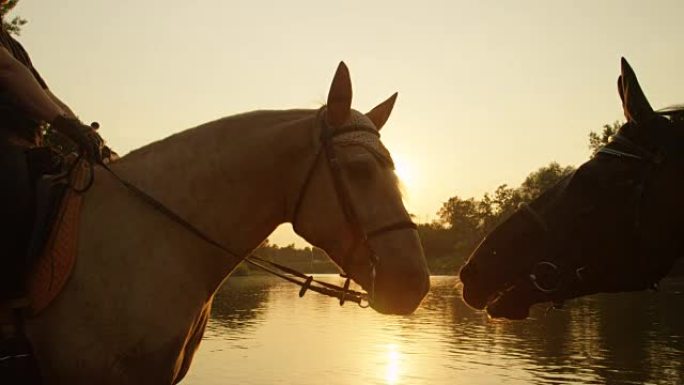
pixel 87 139
pixel 108 155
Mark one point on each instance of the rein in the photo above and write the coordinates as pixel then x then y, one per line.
pixel 276 269
pixel 306 282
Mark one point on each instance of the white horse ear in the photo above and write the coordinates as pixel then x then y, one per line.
pixel 382 111
pixel 339 97
pixel 634 102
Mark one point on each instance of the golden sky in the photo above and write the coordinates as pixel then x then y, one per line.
pixel 488 90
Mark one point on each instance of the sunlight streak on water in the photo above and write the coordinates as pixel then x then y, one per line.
pixel 393 364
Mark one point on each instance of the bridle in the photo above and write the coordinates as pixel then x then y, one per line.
pixel 361 235
pixel 564 273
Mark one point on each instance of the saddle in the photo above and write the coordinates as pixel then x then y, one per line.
pixel 52 254
pixel 55 235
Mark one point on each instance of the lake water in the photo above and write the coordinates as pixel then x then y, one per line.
pixel 262 333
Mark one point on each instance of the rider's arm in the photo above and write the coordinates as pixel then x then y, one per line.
pixel 29 92
pixel 25 89
pixel 67 111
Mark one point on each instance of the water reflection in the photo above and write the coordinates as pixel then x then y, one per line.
pixel 238 303
pixel 393 359
pixel 262 333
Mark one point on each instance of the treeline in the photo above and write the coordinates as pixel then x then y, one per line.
pixel 307 260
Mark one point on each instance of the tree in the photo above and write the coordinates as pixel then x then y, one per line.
pixel 462 215
pixel 439 245
pixel 600 139
pixel 506 200
pixel 543 179
pixel 14 25
pixel 464 222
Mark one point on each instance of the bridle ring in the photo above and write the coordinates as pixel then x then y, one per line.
pixel 535 279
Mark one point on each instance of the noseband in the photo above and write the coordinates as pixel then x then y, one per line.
pixel 556 269
pixel 361 236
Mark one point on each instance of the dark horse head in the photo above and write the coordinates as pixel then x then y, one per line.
pixel 613 225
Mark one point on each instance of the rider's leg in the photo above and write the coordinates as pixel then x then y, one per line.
pixel 16 218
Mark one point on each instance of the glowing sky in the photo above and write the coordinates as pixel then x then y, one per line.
pixel 488 90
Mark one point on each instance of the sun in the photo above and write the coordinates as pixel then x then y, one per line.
pixel 405 172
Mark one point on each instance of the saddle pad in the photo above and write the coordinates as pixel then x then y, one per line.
pixel 55 264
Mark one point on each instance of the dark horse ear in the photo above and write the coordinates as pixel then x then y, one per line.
pixel 382 111
pixel 634 102
pixel 339 97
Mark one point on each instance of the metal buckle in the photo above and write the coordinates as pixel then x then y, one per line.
pixel 534 277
